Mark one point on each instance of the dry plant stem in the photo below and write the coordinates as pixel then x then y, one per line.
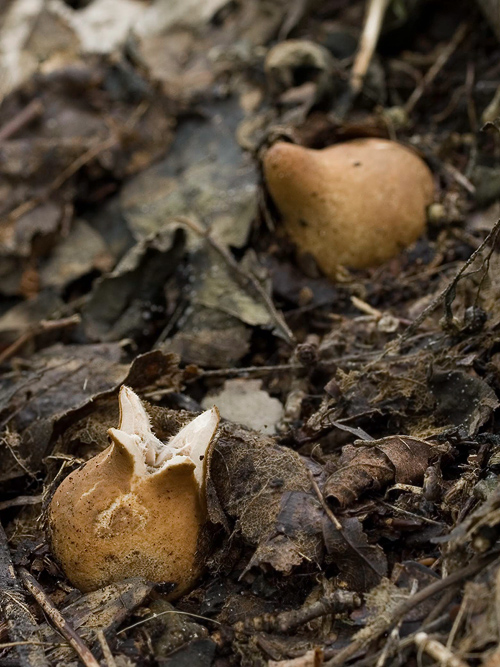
pixel 338 526
pixel 405 643
pixel 96 149
pixel 407 605
pixel 40 327
pixel 225 372
pixel 106 651
pixel 391 643
pixel 19 501
pixel 80 162
pixel 457 623
pixel 58 619
pixel 462 180
pixel 446 293
pixel 245 279
pixel 374 17
pixel 336 603
pixel 436 650
pixel 22 626
pixel 433 71
pixel 31 111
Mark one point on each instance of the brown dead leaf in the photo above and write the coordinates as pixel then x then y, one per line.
pixel 362 565
pixel 63 382
pixel 374 465
pixel 463 400
pixel 263 489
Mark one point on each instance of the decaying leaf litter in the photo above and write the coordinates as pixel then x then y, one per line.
pixel 352 491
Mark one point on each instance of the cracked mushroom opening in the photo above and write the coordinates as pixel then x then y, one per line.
pixel 135 509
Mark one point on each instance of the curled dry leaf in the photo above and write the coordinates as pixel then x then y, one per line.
pixel 374 465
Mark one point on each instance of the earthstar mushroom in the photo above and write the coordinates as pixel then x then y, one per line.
pixel 137 508
pixel 354 204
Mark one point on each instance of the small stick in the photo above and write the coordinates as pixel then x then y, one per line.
pixel 438 651
pixel 33 110
pixel 335 603
pixel 108 656
pixel 407 605
pixel 21 624
pixel 434 70
pixel 374 18
pixel 35 330
pixel 20 500
pixel 57 618
pixel 224 372
pixel 405 643
pixel 85 158
pixel 338 526
pixel 448 290
pixel 247 280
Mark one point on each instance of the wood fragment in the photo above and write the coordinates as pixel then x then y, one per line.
pixel 57 618
pixel 438 651
pixel 22 626
pixel 336 603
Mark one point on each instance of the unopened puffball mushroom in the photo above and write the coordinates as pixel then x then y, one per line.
pixel 137 508
pixel 354 204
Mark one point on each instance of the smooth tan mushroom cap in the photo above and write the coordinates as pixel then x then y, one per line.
pixel 355 204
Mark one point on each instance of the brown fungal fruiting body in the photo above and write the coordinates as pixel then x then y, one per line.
pixel 135 509
pixel 355 204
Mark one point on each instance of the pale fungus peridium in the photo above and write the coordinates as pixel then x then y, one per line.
pixel 355 204
pixel 137 508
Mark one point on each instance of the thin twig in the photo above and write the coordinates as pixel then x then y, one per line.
pixel 438 651
pixel 20 501
pixel 442 296
pixel 106 651
pixel 163 613
pixel 58 619
pixel 31 111
pixel 402 609
pixel 434 70
pixel 40 327
pixel 335 603
pixel 225 372
pixel 374 17
pixel 338 526
pixel 246 279
pixel 95 150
